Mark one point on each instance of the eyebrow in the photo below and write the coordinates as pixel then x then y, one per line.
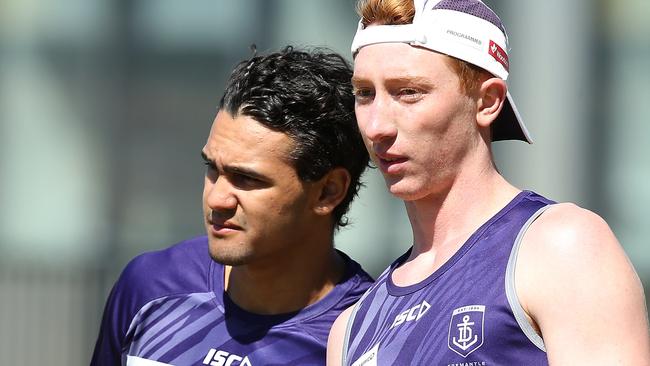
pixel 355 80
pixel 234 169
pixel 403 80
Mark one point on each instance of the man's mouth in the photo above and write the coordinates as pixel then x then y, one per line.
pixel 389 163
pixel 223 227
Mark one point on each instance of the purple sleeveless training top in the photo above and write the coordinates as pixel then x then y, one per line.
pixel 465 313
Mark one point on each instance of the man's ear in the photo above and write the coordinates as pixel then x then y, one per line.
pixel 492 96
pixel 333 188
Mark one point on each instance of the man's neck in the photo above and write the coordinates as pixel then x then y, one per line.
pixel 287 285
pixel 442 223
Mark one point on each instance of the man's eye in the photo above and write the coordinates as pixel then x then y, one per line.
pixel 245 182
pixel 409 94
pixel 409 91
pixel 363 94
pixel 211 171
pixel 209 166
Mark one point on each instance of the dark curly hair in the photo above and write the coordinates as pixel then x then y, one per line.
pixel 307 95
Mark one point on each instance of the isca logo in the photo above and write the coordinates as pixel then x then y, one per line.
pixel 223 358
pixel 414 313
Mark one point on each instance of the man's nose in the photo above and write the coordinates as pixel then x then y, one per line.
pixel 220 195
pixel 379 124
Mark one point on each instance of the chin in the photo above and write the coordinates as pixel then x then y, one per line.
pixel 407 196
pixel 405 192
pixel 228 260
pixel 228 256
pixel 413 188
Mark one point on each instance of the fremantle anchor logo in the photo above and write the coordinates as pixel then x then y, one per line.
pixel 466 329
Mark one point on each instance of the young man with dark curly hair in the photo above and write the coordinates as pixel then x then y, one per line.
pixel 283 162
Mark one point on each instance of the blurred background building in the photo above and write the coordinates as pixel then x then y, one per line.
pixel 105 105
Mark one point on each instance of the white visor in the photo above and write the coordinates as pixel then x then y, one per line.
pixel 465 29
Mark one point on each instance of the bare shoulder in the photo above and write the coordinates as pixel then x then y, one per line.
pixel 568 246
pixel 579 288
pixel 336 338
pixel 573 239
pixel 570 226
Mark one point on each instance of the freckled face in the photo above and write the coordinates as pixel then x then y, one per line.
pixel 255 206
pixel 415 121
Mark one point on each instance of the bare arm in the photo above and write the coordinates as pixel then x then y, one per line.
pixel 336 337
pixel 581 291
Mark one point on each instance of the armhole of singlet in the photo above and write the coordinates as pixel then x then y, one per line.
pixel 353 314
pixel 511 292
pixel 348 330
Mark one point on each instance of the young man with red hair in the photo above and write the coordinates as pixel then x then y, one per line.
pixel 496 275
